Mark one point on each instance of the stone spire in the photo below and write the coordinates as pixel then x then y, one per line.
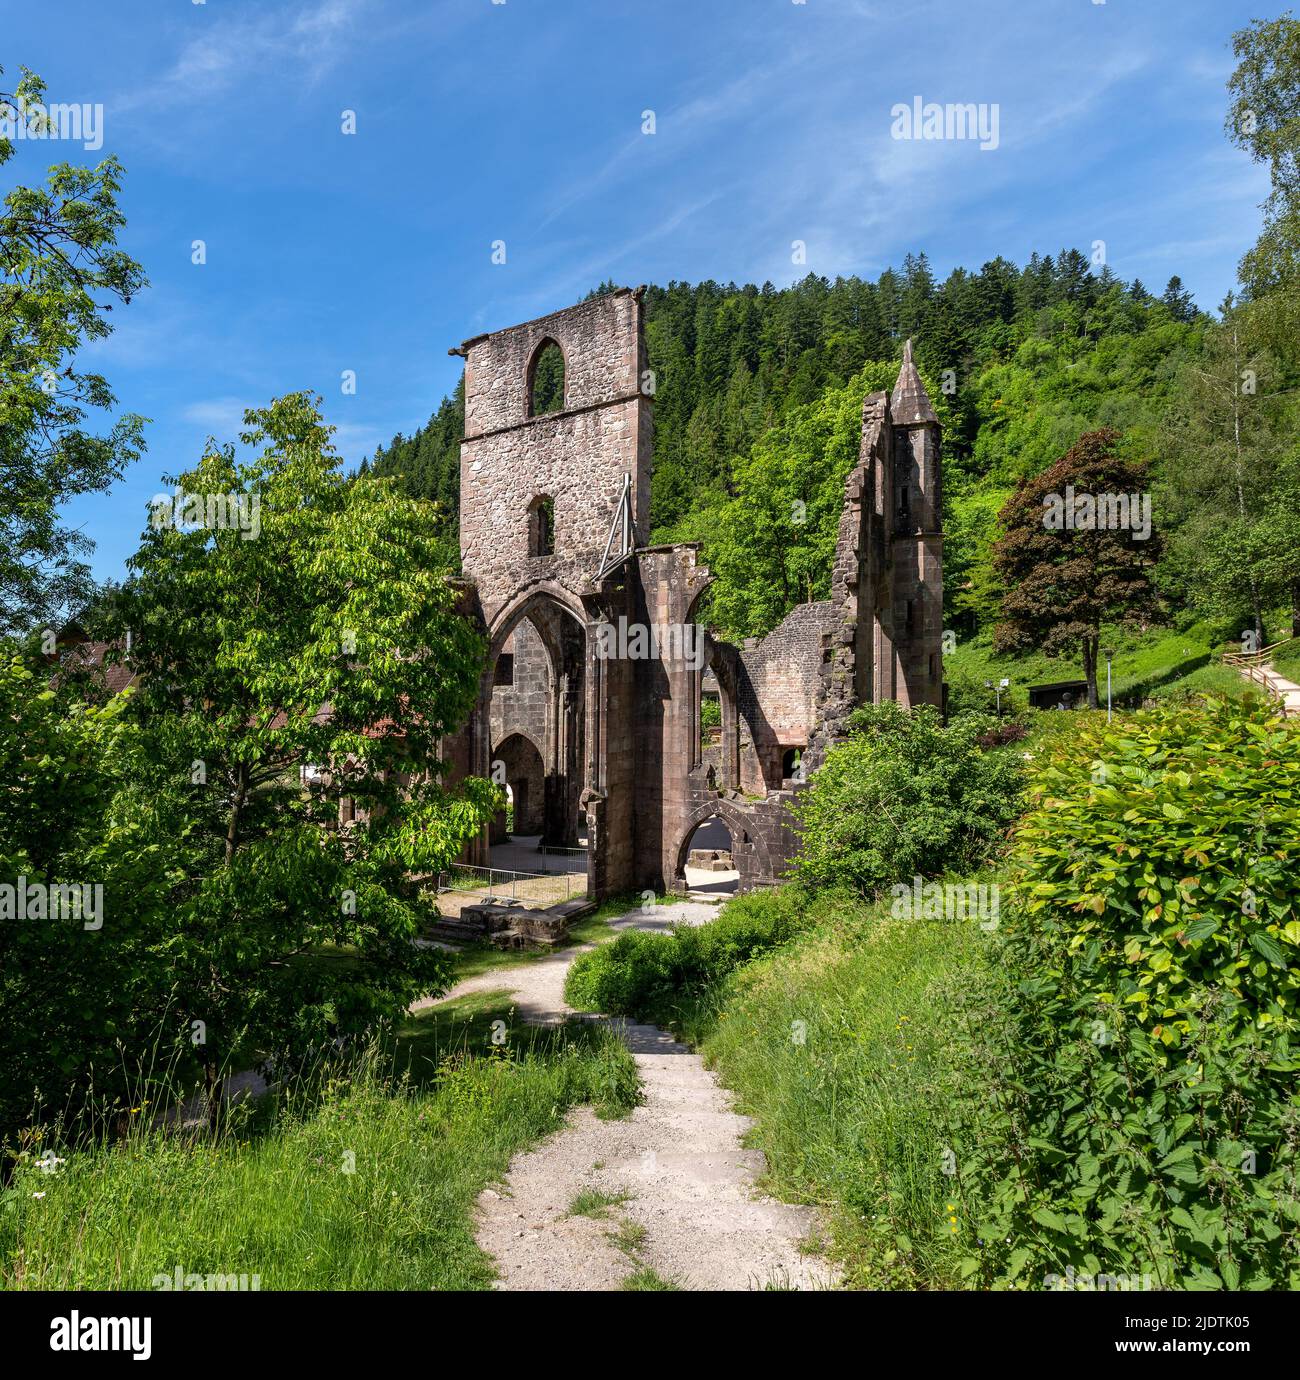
pixel 909 403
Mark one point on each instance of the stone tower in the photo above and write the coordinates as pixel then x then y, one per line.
pixel 886 638
pixel 917 540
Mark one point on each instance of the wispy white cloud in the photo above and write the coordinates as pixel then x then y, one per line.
pixel 301 42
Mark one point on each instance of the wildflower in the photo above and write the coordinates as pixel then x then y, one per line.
pixel 38 1195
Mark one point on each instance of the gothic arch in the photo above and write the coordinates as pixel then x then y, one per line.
pixel 746 841
pixel 546 343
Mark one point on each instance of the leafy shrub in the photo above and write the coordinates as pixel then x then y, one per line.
pixel 1131 1108
pixel 630 976
pixel 906 796
pixel 1164 854
pixel 623 978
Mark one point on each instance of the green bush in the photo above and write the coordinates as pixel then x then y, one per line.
pixel 638 971
pixel 1131 1105
pixel 906 796
pixel 1164 853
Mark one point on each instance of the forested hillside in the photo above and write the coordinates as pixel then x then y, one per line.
pixel 758 392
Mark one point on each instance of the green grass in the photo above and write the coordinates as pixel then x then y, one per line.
pixel 835 1047
pixel 647 1279
pixel 629 1238
pixel 595 1204
pixel 1287 661
pixel 363 1180
pixel 1159 662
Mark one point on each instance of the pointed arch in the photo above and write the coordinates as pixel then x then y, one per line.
pixel 546 384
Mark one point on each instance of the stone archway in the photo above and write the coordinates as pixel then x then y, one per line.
pixel 523 768
pixel 748 846
pixel 553 794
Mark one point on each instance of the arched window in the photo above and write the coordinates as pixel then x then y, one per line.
pixel 546 380
pixel 541 526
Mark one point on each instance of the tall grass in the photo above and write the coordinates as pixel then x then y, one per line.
pixel 837 1048
pixel 363 1179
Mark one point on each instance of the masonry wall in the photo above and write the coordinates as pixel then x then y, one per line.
pixel 778 686
pixel 524 706
pixel 576 456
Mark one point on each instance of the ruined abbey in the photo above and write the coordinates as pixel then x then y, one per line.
pixel 589 707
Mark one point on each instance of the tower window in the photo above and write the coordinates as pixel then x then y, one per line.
pixel 541 526
pixel 546 380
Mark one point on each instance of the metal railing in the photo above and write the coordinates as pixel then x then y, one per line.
pixel 501 883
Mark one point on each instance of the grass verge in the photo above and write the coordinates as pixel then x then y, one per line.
pixel 364 1179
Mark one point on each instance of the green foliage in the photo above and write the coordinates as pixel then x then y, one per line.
pixel 1061 583
pixel 1164 853
pixel 238 923
pixel 77 990
pixel 905 796
pixel 328 639
pixel 640 972
pixel 770 541
pixel 548 380
pixel 1129 1101
pixel 60 274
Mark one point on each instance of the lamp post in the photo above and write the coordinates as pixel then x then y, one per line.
pixel 1109 654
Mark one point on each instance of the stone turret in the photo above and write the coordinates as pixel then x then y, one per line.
pixel 909 404
pixel 917 539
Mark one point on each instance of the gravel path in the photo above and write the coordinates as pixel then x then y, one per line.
pixel 689 1210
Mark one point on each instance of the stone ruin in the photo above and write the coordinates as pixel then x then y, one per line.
pixel 595 726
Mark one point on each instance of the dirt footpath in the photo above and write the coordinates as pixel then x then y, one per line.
pixel 688 1210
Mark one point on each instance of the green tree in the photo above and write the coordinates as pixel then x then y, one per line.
pixel 60 273
pixel 1264 118
pixel 1222 435
pixel 80 990
pixel 1063 580
pixel 310 651
pixel 905 796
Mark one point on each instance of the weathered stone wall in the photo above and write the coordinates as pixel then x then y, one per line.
pixel 524 705
pixel 778 686
pixel 918 568
pixel 577 456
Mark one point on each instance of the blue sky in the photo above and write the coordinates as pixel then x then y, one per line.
pixel 522 122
